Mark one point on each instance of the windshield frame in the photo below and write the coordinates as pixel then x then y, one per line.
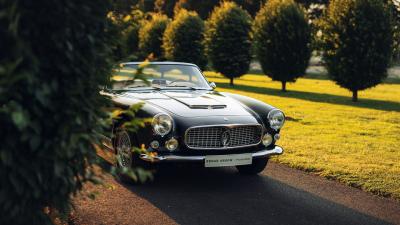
pixel 200 76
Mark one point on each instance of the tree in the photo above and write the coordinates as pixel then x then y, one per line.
pixel 227 39
pixel 251 6
pixel 282 40
pixel 165 7
pixel 183 39
pixel 357 43
pixel 132 39
pixel 52 65
pixel 203 8
pixel 151 34
pixel 126 28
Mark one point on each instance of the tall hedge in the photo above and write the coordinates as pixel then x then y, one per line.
pixel 54 55
pixel 357 43
pixel 227 39
pixel 183 39
pixel 151 35
pixel 282 39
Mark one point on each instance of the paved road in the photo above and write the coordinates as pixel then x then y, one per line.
pixel 281 195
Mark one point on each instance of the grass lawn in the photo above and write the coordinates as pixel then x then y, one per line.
pixel 325 133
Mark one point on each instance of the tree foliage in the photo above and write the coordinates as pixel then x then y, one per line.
pixel 227 39
pixel 357 43
pixel 126 29
pixel 282 40
pixel 54 56
pixel 183 39
pixel 151 35
pixel 165 7
pixel 205 7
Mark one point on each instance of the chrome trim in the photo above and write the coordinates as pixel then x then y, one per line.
pixel 106 142
pixel 277 150
pixel 229 126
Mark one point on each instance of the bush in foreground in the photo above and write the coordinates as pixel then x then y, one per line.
pixel 282 40
pixel 183 39
pixel 51 68
pixel 227 39
pixel 357 43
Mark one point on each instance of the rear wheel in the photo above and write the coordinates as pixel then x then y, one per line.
pixel 126 159
pixel 256 167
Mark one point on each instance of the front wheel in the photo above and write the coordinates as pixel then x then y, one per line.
pixel 126 159
pixel 256 167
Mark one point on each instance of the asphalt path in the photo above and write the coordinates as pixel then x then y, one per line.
pixel 280 195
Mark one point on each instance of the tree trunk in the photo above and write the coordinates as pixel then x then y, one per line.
pixel 355 96
pixel 284 86
pixel 231 83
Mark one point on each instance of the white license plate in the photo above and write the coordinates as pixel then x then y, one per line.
pixel 228 160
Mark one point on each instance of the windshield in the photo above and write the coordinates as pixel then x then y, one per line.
pixel 159 76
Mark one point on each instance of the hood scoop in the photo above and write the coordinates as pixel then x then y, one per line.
pixel 207 106
pixel 198 101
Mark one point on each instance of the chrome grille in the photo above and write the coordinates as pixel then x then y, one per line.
pixel 210 137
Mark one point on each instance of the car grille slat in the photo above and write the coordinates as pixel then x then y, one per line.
pixel 210 137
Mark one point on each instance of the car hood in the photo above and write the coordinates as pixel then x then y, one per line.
pixel 193 103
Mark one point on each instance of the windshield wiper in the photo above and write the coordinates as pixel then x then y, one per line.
pixel 140 88
pixel 186 87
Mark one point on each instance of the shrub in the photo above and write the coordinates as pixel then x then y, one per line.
pixel 357 41
pixel 282 40
pixel 227 39
pixel 51 67
pixel 151 34
pixel 183 39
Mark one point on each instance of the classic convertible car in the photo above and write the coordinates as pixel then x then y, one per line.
pixel 191 122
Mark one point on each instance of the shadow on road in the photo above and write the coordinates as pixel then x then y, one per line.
pixel 192 195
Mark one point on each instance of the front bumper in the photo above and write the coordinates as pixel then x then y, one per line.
pixel 199 158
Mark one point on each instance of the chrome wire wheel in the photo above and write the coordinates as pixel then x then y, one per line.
pixel 124 150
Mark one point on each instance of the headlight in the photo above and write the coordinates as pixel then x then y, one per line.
pixel 267 139
pixel 171 144
pixel 276 119
pixel 162 124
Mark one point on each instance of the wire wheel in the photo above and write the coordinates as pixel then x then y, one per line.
pixel 124 150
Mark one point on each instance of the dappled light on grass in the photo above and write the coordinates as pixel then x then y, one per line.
pixel 326 133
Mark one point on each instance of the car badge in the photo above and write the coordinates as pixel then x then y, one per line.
pixel 225 138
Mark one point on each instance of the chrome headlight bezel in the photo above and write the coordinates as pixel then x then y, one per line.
pixel 276 119
pixel 162 124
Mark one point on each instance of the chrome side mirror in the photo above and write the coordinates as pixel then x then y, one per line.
pixel 213 85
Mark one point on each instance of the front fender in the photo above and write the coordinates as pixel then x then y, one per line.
pixel 261 109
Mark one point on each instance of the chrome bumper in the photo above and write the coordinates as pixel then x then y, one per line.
pixel 177 158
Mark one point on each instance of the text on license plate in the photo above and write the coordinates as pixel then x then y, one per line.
pixel 228 160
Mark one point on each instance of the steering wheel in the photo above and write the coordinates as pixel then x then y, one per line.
pixel 178 80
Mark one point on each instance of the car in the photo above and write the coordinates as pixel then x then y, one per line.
pixel 190 121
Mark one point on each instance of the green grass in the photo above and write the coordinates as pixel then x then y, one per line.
pixel 325 133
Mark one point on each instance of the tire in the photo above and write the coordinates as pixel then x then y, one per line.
pixel 256 167
pixel 128 159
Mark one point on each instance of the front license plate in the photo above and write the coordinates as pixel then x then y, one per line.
pixel 228 160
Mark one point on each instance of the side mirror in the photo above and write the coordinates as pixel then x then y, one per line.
pixel 213 85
